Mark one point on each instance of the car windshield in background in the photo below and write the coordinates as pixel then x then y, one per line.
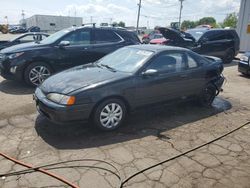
pixel 54 37
pixel 196 33
pixel 125 59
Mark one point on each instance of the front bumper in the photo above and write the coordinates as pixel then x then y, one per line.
pixel 5 65
pixel 60 113
pixel 244 67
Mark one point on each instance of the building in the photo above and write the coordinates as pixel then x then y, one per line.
pixel 48 23
pixel 243 27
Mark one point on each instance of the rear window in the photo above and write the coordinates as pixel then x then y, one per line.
pixel 214 35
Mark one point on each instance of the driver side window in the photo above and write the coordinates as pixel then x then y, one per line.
pixel 168 63
pixel 78 37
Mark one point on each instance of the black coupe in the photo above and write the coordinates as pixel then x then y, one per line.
pixel 131 77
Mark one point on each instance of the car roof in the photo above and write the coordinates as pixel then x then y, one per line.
pixel 157 48
pixel 97 27
pixel 207 29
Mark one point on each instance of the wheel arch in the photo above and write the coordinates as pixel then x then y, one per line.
pixel 36 61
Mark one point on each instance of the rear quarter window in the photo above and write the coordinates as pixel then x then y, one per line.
pixel 215 35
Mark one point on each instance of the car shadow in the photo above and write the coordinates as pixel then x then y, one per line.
pixel 15 88
pixel 233 63
pixel 149 121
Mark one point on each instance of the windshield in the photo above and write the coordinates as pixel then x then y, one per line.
pixel 196 33
pixel 54 37
pixel 125 59
pixel 15 38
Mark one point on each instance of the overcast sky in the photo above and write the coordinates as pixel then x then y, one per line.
pixel 153 12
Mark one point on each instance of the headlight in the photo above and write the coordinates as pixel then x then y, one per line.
pixel 61 99
pixel 244 58
pixel 15 55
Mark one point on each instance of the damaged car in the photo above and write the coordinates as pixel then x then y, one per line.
pixel 222 43
pixel 132 77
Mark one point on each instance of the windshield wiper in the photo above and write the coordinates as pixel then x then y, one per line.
pixel 108 67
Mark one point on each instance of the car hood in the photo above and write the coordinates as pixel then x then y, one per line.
pixel 175 35
pixel 80 77
pixel 22 47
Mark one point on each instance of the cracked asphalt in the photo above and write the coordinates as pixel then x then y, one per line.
pixel 148 137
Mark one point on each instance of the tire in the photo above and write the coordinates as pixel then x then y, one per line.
pixel 108 121
pixel 208 95
pixel 228 58
pixel 36 73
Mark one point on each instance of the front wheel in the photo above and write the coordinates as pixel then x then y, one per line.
pixel 110 114
pixel 36 73
pixel 208 95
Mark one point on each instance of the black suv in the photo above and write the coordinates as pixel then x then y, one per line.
pixel 34 62
pixel 222 43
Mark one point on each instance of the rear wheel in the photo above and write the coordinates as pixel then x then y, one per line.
pixel 229 56
pixel 36 73
pixel 208 95
pixel 110 114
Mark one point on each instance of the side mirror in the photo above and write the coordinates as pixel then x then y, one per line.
pixel 150 72
pixel 63 44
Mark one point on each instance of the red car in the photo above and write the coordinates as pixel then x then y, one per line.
pixel 160 41
pixel 148 37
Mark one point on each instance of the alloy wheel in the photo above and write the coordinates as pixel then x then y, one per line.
pixel 38 74
pixel 111 115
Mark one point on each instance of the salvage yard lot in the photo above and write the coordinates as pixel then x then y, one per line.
pixel 148 137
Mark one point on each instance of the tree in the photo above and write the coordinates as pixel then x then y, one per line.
pixel 207 21
pixel 114 24
pixel 121 24
pixel 230 20
pixel 187 24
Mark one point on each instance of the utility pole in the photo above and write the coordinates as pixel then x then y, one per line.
pixel 75 16
pixel 91 19
pixel 180 13
pixel 138 17
pixel 23 21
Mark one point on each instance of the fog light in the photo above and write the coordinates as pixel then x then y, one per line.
pixel 13 69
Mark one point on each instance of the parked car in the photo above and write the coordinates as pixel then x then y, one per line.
pixel 244 64
pixel 222 43
pixel 17 30
pixel 131 77
pixel 34 29
pixel 152 35
pixel 159 41
pixel 24 38
pixel 34 62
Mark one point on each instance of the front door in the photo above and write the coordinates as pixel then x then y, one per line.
pixel 79 51
pixel 167 84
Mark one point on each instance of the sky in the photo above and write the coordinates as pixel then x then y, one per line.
pixel 153 12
